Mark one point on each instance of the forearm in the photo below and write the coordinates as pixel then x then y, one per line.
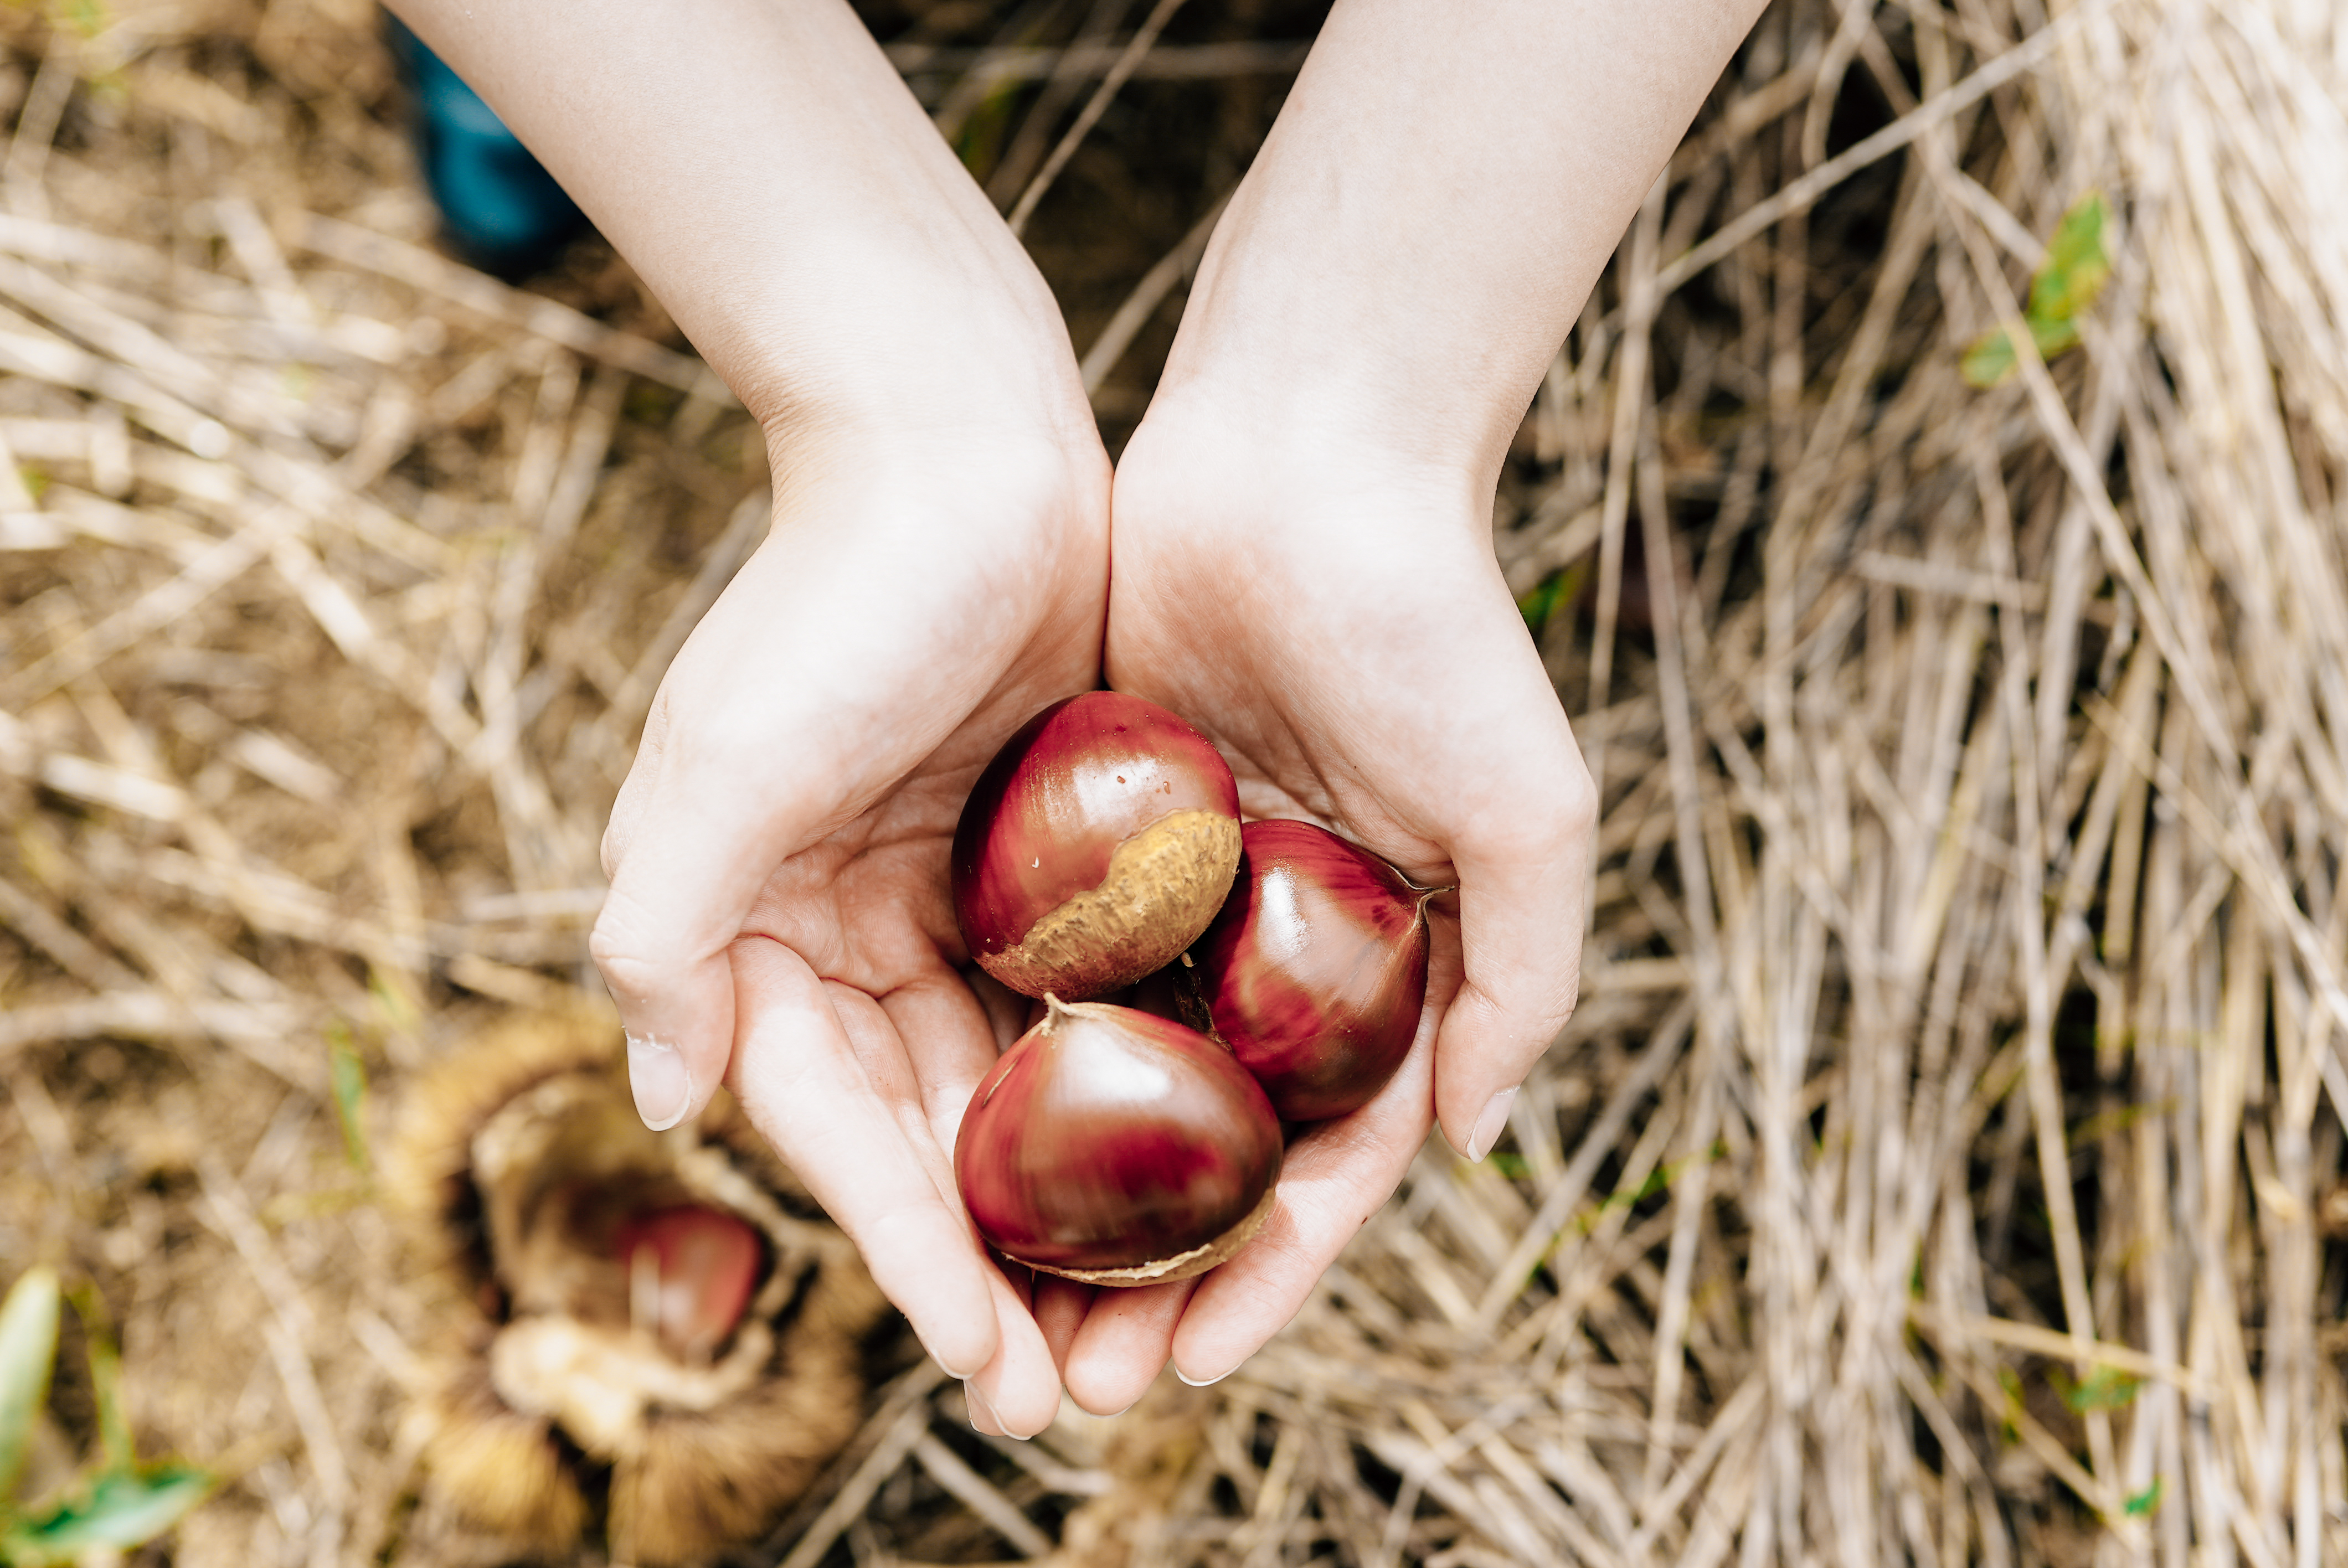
pixel 1439 195
pixel 770 178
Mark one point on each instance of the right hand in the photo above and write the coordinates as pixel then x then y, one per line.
pixel 779 852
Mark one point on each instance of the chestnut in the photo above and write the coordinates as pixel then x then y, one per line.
pixel 1116 1147
pixel 1314 973
pixel 690 1271
pixel 1094 847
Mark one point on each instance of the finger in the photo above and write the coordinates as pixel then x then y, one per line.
pixel 950 1042
pixel 1006 1009
pixel 982 1414
pixel 1333 1179
pixel 926 1045
pixel 1061 1305
pixel 1522 886
pixel 1124 1343
pixel 805 1084
pixel 1020 1387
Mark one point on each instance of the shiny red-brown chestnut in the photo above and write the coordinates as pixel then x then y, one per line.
pixel 1094 847
pixel 1116 1147
pixel 1315 972
pixel 690 1271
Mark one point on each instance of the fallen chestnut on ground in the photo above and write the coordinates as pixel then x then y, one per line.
pixel 1094 847
pixel 1314 973
pixel 690 1270
pixel 1116 1147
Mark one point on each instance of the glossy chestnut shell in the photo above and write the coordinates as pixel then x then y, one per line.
pixel 1116 1147
pixel 690 1270
pixel 1094 847
pixel 1314 974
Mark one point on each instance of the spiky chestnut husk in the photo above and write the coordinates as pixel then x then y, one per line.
pixel 1116 1147
pixel 1094 847
pixel 654 1336
pixel 1314 973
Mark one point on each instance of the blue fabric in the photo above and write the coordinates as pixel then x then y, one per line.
pixel 499 209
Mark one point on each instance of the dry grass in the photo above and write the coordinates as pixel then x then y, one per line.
pixel 1943 1164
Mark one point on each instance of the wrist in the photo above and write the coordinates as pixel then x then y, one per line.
pixel 1326 376
pixel 960 379
pixel 1264 456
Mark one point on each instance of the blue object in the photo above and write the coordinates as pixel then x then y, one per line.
pixel 499 209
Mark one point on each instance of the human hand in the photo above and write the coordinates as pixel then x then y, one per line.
pixel 779 852
pixel 1331 616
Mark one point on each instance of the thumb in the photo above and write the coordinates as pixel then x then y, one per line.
pixel 684 876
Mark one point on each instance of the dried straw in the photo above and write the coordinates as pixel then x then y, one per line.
pixel 1945 1162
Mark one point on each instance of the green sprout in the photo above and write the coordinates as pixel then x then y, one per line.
pixel 347 1074
pixel 2066 285
pixel 1542 601
pixel 117 1503
pixel 2103 1389
pixel 981 141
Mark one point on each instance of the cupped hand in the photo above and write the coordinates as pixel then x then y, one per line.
pixel 1331 614
pixel 779 916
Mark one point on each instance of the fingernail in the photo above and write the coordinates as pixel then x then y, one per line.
pixel 948 1371
pixel 992 1426
pixel 1489 1125
pixel 1204 1382
pixel 658 1075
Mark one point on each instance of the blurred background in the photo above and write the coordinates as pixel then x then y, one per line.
pixel 1934 526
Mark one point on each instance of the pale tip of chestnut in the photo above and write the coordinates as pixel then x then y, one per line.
pixel 1164 885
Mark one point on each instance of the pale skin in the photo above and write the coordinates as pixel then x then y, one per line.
pixel 1300 530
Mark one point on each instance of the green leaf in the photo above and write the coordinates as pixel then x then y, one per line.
pixel 87 18
pixel 2064 286
pixel 2139 1505
pixel 396 1007
pixel 105 1378
pixel 2010 1421
pixel 2076 269
pixel 121 1509
pixel 2103 1389
pixel 29 1351
pixel 1543 600
pixel 347 1074
pixel 981 142
pixel 1990 361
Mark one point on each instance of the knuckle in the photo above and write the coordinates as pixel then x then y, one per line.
pixel 627 950
pixel 1577 804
